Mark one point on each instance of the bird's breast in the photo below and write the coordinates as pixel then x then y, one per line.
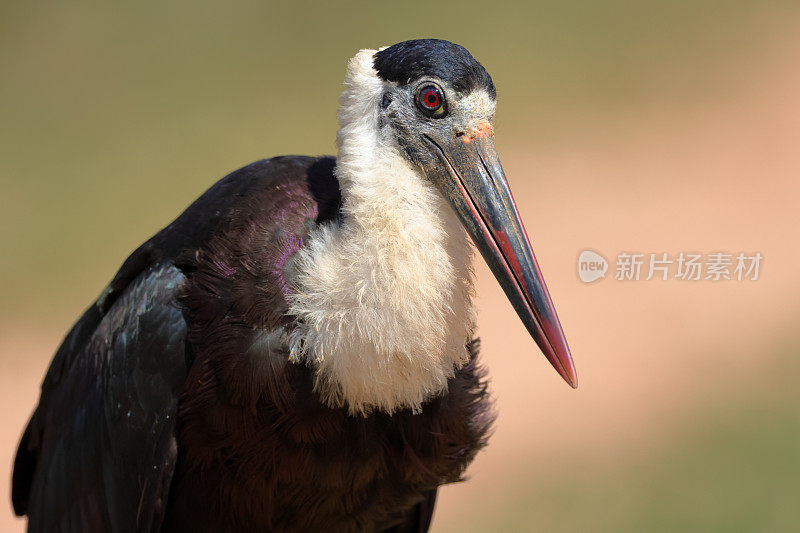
pixel 382 300
pixel 289 452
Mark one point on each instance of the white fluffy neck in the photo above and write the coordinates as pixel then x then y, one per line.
pixel 384 298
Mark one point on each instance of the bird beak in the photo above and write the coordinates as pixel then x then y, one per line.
pixel 476 186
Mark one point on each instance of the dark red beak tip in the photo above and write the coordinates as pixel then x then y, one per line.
pixel 557 352
pixel 571 377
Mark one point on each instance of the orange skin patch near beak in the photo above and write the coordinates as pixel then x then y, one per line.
pixel 482 129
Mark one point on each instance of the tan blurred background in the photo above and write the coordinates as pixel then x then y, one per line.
pixel 644 126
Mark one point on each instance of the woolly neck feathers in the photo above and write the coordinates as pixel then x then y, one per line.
pixel 382 298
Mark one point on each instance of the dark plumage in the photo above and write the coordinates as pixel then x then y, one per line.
pixel 293 352
pixel 411 60
pixel 156 415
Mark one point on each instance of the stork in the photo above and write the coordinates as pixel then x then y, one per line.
pixel 295 352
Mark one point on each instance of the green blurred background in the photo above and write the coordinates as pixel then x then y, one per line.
pixel 651 126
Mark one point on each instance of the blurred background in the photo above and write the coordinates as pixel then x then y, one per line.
pixel 644 126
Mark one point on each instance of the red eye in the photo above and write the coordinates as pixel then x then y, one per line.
pixel 430 100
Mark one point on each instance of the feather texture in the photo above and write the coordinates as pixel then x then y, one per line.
pixel 293 353
pixel 383 297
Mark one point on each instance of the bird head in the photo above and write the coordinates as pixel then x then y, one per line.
pixel 432 102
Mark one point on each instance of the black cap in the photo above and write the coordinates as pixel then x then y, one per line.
pixel 411 60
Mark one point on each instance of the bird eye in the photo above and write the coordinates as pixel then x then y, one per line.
pixel 430 100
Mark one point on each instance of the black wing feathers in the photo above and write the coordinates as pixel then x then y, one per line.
pixel 99 450
pixel 104 439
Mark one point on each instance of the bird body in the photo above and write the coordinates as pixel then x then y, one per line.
pixel 296 351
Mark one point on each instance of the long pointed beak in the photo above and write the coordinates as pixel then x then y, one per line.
pixel 479 193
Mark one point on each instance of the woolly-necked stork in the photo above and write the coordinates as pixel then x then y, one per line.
pixel 295 351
